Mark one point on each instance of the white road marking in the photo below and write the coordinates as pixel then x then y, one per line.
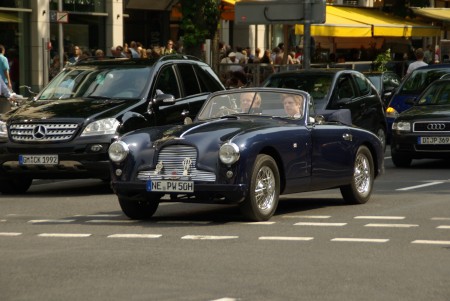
pixel 185 222
pixel 321 224
pixel 260 223
pixel 360 240
pixel 52 221
pixel 443 227
pixel 10 233
pixel 2 220
pixel 285 238
pixel 419 186
pixel 440 218
pixel 392 225
pixel 134 236
pixel 379 217
pixel 114 221
pixel 98 215
pixel 75 235
pixel 208 237
pixel 226 299
pixel 432 242
pixel 308 216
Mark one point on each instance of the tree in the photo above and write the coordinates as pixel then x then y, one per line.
pixel 200 21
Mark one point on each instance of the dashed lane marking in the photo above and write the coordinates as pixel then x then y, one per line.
pixel 419 186
pixel 10 233
pixel 260 223
pixel 134 236
pixel 443 227
pixel 440 218
pixel 66 235
pixel 292 238
pixel 432 242
pixel 98 215
pixel 392 225
pixel 376 240
pixel 185 222
pixel 379 217
pixel 321 224
pixel 113 221
pixel 52 221
pixel 208 237
pixel 308 216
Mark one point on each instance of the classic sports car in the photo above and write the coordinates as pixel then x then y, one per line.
pixel 246 146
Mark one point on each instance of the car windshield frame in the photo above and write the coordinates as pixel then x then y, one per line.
pixel 262 102
pixel 107 82
pixel 419 79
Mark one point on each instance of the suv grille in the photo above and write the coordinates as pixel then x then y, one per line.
pixel 172 158
pixel 42 132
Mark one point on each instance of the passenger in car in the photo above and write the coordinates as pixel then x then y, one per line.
pixel 246 102
pixel 293 105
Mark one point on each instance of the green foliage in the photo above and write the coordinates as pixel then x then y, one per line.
pixel 200 21
pixel 382 59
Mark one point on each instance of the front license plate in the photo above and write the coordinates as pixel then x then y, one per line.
pixel 170 186
pixel 434 140
pixel 38 159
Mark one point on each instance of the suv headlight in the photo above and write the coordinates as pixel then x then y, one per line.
pixel 401 126
pixel 101 127
pixel 118 151
pixel 229 153
pixel 3 130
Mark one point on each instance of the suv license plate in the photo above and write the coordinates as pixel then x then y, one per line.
pixel 38 159
pixel 434 140
pixel 170 186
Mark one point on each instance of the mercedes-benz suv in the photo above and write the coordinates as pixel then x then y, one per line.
pixel 65 131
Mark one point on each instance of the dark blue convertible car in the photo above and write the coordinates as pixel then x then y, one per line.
pixel 246 147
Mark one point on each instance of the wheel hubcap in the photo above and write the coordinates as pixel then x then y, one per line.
pixel 362 174
pixel 265 188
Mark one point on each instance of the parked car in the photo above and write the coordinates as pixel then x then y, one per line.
pixel 245 148
pixel 423 131
pixel 66 130
pixel 411 87
pixel 386 82
pixel 334 89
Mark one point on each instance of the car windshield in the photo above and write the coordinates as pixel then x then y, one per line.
pixel 117 83
pixel 286 105
pixel 420 79
pixel 436 94
pixel 317 85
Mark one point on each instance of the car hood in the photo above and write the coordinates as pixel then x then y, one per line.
pixel 426 112
pixel 68 108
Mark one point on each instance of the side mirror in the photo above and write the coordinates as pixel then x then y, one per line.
pixel 164 99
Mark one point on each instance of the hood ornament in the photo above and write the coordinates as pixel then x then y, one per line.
pixel 186 166
pixel 159 167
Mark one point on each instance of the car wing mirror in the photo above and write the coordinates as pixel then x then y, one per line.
pixel 164 100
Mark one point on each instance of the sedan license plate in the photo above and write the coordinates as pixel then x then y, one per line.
pixel 170 186
pixel 38 159
pixel 434 140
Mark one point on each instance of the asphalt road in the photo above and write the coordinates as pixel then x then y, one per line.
pixel 68 240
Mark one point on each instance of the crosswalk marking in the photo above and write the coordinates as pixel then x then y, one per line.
pixel 67 235
pixel 134 236
pixel 10 233
pixel 112 221
pixel 51 221
pixel 308 216
pixel 321 224
pixel 285 238
pixel 443 227
pixel 208 237
pixel 392 225
pixel 377 240
pixel 432 242
pixel 379 217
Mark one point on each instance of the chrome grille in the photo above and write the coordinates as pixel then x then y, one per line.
pixel 172 158
pixel 42 132
pixel 432 126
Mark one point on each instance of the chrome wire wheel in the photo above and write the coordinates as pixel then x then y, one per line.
pixel 265 189
pixel 362 174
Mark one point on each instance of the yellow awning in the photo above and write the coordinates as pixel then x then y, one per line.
pixel 442 14
pixel 337 26
pixel 347 22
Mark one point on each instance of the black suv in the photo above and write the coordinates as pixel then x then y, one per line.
pixel 65 131
pixel 333 89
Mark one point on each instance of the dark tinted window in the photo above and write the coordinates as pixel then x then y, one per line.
pixel 167 82
pixel 189 79
pixel 420 79
pixel 362 84
pixel 208 80
pixel 345 87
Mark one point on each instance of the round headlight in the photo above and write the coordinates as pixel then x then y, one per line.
pixel 118 151
pixel 229 153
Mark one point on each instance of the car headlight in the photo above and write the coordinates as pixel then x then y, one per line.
pixel 118 151
pixel 229 153
pixel 401 126
pixel 391 112
pixel 3 130
pixel 101 127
